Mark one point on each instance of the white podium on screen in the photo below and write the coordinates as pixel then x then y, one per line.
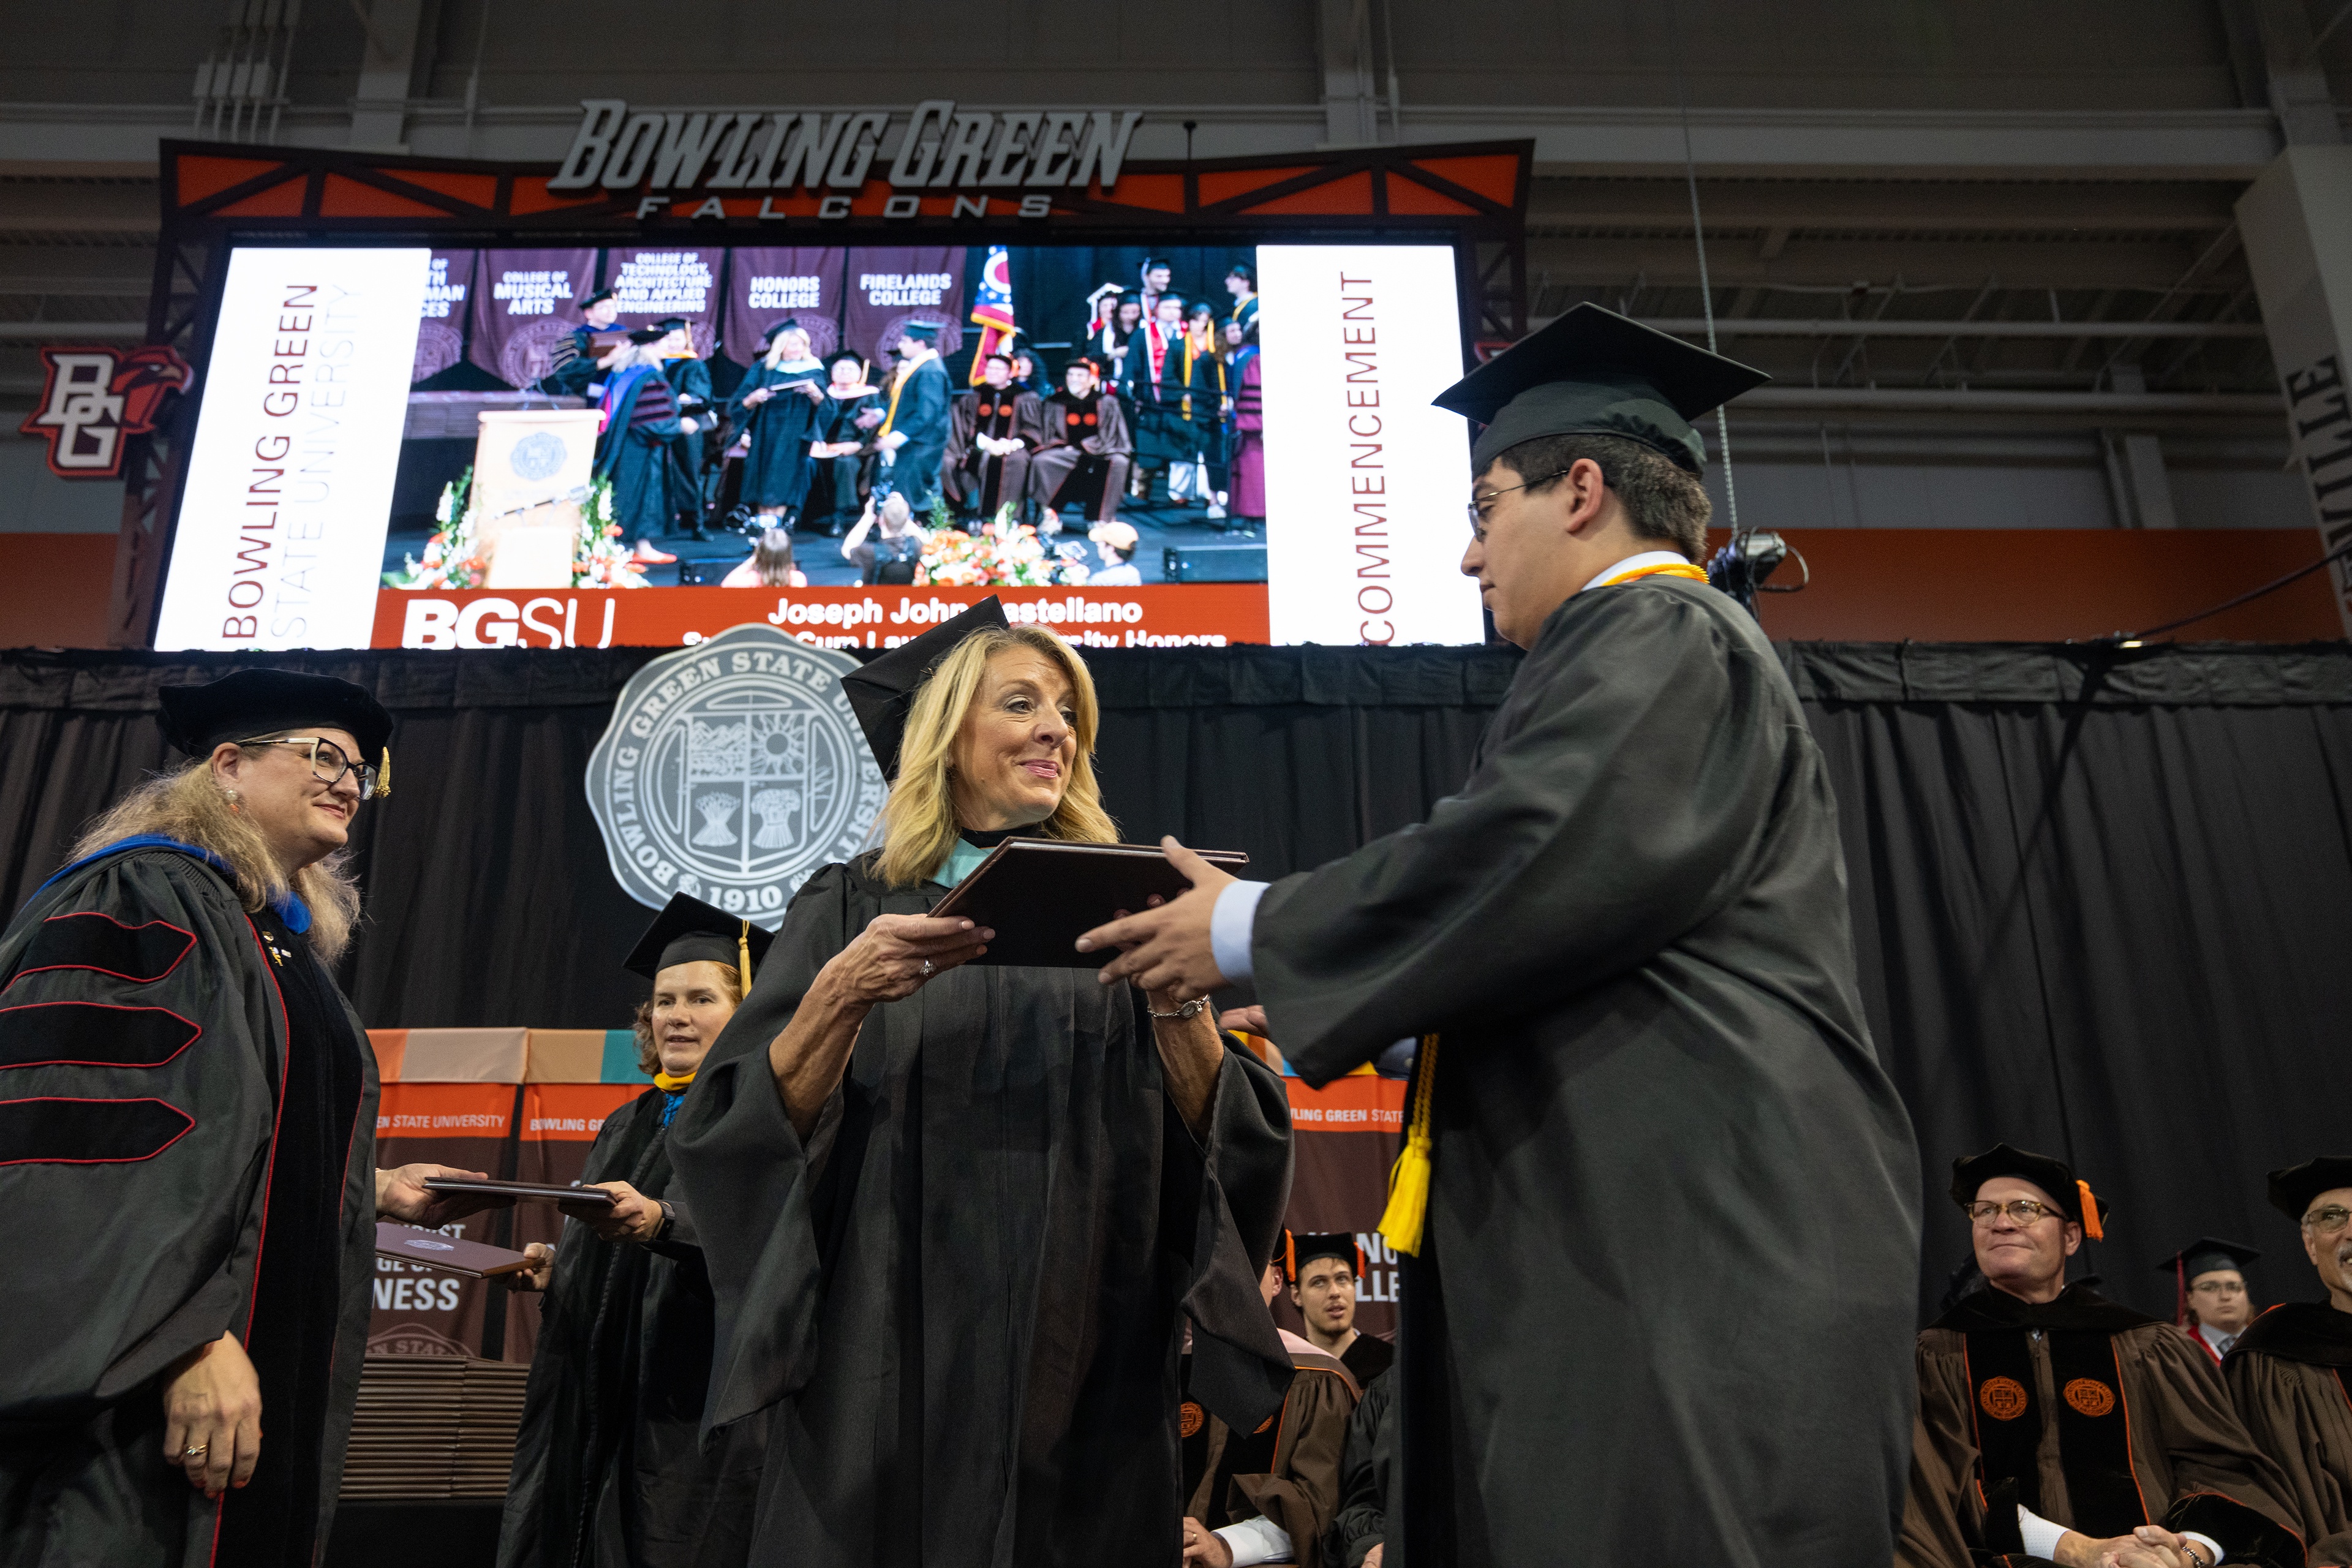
pixel 532 468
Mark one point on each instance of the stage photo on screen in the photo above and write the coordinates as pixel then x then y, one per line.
pixel 850 433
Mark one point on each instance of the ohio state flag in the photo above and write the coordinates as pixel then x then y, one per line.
pixel 992 309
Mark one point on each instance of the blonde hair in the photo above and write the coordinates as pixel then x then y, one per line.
pixel 190 807
pixel 772 558
pixel 774 357
pixel 642 1021
pixel 919 825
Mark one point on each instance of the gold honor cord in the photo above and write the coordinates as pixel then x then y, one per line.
pixel 1408 1210
pixel 742 958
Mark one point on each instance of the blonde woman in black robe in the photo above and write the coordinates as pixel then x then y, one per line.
pixel 956 1217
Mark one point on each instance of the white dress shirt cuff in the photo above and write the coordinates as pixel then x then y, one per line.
pixel 2040 1536
pixel 1230 925
pixel 2212 1547
pixel 1258 1540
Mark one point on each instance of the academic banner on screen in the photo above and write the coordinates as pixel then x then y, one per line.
pixel 289 485
pixel 596 446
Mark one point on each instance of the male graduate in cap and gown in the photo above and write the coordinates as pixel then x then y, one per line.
pixel 913 437
pixel 2056 1426
pixel 689 375
pixel 2289 1372
pixel 2212 1303
pixel 958 1215
pixel 576 360
pixel 186 1141
pixel 607 1468
pixel 1645 1103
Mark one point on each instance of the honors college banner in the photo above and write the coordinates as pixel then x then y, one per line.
pixel 766 286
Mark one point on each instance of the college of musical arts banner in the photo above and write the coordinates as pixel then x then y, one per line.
pixel 767 284
pixel 891 285
pixel 522 303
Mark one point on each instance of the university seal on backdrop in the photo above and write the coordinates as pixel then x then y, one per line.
pixel 732 770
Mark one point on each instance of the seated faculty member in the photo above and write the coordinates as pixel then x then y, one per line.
pixel 1269 1496
pixel 2290 1369
pixel 956 1217
pixel 1624 945
pixel 2058 1425
pixel 1082 457
pixel 181 1068
pixel 1325 1271
pixel 606 1468
pixel 2213 1303
pixel 992 433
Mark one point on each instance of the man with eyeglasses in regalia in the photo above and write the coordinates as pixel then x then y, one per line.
pixel 2055 1426
pixel 2288 1371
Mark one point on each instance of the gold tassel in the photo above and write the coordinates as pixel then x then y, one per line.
pixel 743 955
pixel 1408 1210
pixel 383 774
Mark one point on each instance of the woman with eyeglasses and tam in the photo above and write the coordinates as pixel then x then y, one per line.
pixel 2056 1426
pixel 190 1111
pixel 958 1216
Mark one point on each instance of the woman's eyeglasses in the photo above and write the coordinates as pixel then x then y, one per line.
pixel 328 763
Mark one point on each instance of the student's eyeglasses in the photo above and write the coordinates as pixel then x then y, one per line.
pixel 2221 1287
pixel 2024 1211
pixel 1477 509
pixel 2329 1220
pixel 328 763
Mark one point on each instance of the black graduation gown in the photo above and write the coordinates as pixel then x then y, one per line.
pixel 1658 1114
pixel 921 412
pixel 572 367
pixel 634 452
pixel 1163 429
pixel 776 468
pixel 836 421
pixel 608 1441
pixel 962 1296
pixel 2287 1375
pixel 178 1071
pixel 1361 1522
pixel 689 393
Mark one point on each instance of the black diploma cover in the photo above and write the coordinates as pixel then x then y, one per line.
pixel 1040 895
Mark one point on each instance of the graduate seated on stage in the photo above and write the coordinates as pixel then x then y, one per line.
pixel 2056 1426
pixel 1358 1534
pixel 607 1467
pixel 2289 1370
pixel 1270 1496
pixel 1324 1273
pixel 2212 1303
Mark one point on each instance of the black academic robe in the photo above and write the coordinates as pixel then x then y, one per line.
pixel 960 1296
pixel 689 393
pixel 980 480
pixel 178 1071
pixel 835 480
pixel 2287 1376
pixel 2092 1416
pixel 1157 399
pixel 1629 931
pixel 634 453
pixel 776 469
pixel 918 408
pixel 608 1442
pixel 573 365
pixel 1361 1522
pixel 1367 1357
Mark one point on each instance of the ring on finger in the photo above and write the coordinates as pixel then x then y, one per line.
pixel 195 1452
pixel 926 970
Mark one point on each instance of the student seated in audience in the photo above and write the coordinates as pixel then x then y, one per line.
pixel 1324 1273
pixel 2215 1304
pixel 771 564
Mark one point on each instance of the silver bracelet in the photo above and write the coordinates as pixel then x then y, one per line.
pixel 1183 1009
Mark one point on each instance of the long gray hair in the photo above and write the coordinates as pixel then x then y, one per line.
pixel 189 806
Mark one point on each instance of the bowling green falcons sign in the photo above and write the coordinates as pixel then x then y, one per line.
pixel 733 769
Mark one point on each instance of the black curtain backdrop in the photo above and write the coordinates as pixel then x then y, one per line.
pixel 2102 901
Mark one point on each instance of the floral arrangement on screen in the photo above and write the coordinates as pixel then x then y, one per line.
pixel 453 557
pixel 1002 553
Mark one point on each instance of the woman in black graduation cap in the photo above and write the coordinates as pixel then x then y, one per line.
pixel 954 1216
pixel 777 404
pixel 181 1068
pixel 607 1469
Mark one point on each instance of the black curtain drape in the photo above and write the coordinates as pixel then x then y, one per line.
pixel 2103 900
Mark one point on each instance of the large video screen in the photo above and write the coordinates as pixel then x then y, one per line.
pixel 434 449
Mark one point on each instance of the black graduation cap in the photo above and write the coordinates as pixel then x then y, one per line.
pixel 2070 1192
pixel 922 332
pixel 1300 1248
pixel 2205 1255
pixel 883 692
pixel 689 931
pixel 253 702
pixel 652 334
pixel 778 328
pixel 593 297
pixel 1595 372
pixel 672 323
pixel 2292 1188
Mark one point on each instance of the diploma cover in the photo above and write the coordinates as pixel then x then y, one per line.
pixel 525 1191
pixel 1040 895
pixel 431 1250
